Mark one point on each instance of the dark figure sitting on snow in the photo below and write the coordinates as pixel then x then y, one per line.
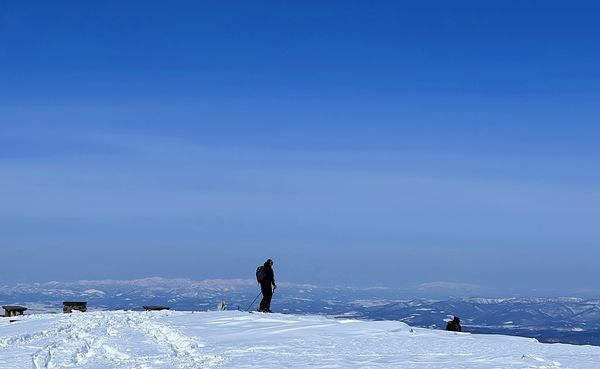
pixel 267 286
pixel 454 325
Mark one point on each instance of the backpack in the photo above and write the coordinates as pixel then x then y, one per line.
pixel 261 274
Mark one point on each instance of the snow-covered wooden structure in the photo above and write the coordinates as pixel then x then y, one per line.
pixel 13 310
pixel 155 307
pixel 69 306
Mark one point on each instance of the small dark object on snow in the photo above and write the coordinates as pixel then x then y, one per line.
pixel 69 306
pixel 13 310
pixel 155 308
pixel 454 325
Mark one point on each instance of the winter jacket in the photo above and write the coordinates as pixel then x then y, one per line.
pixel 269 274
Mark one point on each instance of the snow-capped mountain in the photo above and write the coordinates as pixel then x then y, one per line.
pixel 568 320
pixel 549 320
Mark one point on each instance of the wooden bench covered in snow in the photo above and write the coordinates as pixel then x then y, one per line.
pixel 13 310
pixel 155 307
pixel 69 306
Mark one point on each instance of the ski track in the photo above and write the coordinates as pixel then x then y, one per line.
pixel 98 339
pixel 185 350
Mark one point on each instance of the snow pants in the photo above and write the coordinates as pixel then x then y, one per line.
pixel 267 292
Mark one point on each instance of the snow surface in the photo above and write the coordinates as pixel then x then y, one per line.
pixel 230 339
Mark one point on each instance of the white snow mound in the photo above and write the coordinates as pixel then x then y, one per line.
pixel 227 339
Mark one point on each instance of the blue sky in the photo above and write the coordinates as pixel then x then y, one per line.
pixel 355 143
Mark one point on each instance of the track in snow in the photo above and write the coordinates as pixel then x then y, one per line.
pixel 113 339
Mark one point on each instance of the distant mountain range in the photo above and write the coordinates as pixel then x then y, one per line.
pixel 568 320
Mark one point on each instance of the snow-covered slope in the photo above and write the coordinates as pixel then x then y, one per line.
pixel 144 340
pixel 566 320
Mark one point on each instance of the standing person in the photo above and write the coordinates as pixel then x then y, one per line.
pixel 267 286
pixel 454 325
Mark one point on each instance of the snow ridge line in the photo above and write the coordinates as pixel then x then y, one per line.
pixel 28 338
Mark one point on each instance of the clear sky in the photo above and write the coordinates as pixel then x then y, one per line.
pixel 355 143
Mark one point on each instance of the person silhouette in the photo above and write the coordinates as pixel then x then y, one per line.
pixel 454 325
pixel 267 286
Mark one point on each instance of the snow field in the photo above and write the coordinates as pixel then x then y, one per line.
pixel 99 340
pixel 156 340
